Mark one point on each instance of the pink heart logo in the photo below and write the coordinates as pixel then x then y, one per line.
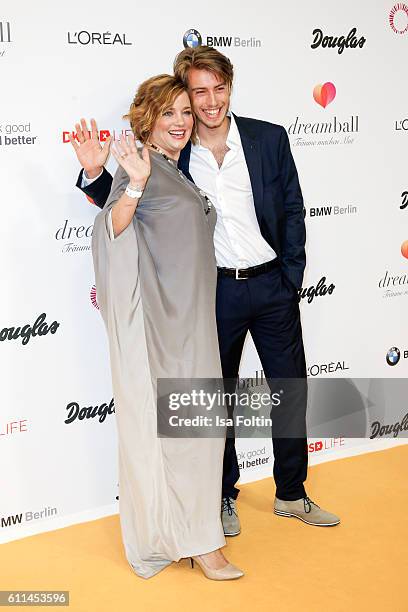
pixel 324 94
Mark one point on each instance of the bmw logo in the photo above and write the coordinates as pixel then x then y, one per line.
pixel 192 38
pixel 393 356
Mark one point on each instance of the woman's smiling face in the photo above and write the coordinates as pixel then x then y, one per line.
pixel 173 127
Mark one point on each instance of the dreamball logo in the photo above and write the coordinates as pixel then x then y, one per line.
pixel 192 39
pixel 394 285
pixel 5 32
pixel 74 238
pixel 325 93
pixel 324 129
pixel 5 35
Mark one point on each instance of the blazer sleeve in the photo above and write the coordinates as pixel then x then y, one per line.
pixel 293 254
pixel 98 190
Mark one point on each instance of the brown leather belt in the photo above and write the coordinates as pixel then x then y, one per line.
pixel 244 273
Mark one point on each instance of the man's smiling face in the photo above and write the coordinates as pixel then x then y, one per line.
pixel 210 97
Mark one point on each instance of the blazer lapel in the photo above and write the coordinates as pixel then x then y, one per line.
pixel 184 161
pixel 252 152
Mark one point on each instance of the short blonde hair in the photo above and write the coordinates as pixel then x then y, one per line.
pixel 203 58
pixel 152 98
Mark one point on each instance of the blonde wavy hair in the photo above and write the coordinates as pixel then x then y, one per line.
pixel 153 97
pixel 203 58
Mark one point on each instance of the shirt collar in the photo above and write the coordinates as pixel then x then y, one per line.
pixel 233 139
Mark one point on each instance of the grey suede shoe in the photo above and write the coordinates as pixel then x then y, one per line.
pixel 307 511
pixel 229 517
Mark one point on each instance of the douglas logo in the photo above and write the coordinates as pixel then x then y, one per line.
pixel 341 42
pixel 89 412
pixel 39 328
pixel 386 430
pixel 321 289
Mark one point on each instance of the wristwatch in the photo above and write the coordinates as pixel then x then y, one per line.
pixel 134 192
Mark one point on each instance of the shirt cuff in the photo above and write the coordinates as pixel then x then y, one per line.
pixel 87 181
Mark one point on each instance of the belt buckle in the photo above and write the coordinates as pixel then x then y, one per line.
pixel 237 277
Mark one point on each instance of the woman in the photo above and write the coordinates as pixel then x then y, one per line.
pixel 155 277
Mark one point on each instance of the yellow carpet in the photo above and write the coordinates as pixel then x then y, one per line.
pixel 359 565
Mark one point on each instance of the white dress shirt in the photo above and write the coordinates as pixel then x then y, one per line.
pixel 87 181
pixel 238 241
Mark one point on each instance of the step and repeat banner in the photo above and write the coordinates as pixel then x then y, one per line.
pixel 331 73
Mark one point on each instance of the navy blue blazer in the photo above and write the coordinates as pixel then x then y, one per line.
pixel 275 187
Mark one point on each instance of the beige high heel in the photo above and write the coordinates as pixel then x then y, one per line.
pixel 229 572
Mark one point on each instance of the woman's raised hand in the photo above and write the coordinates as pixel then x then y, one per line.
pixel 91 155
pixel 137 166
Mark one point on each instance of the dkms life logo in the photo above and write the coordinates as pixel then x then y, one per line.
pixel 192 39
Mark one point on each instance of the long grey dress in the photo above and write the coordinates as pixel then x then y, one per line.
pixel 156 286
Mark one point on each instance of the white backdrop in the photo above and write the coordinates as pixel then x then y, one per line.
pixel 54 71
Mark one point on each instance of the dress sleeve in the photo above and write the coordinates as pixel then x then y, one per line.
pixel 115 258
pixel 110 226
pixel 119 184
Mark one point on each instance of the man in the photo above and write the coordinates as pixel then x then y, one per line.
pixel 246 168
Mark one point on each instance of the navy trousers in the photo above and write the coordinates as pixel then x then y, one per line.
pixel 267 306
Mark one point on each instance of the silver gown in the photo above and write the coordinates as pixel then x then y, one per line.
pixel 156 286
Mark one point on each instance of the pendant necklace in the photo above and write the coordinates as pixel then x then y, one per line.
pixel 173 163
